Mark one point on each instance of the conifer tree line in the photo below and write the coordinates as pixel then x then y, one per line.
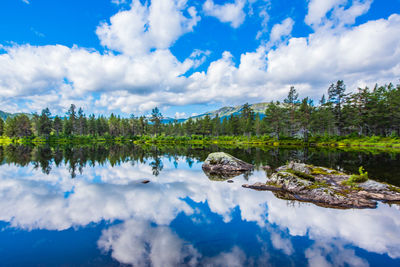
pixel 366 112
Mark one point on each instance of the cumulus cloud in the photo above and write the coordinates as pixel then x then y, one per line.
pixel 38 201
pixel 319 254
pixel 340 14
pixel 138 71
pixel 230 12
pixel 281 30
pixel 144 27
pixel 137 243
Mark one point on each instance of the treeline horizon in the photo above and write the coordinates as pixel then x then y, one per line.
pixel 366 112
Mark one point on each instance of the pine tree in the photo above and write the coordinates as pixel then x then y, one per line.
pixel 71 126
pixel 1 127
pixel 156 117
pixel 274 116
pixel 45 123
pixel 336 93
pixel 92 125
pixel 247 118
pixel 57 125
pixel 292 100
pixel 305 112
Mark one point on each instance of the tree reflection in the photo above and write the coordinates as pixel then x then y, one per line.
pixel 381 166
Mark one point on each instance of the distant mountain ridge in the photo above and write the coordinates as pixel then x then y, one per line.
pixel 4 115
pixel 235 110
pixel 222 113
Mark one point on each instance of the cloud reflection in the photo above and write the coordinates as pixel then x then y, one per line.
pixel 30 200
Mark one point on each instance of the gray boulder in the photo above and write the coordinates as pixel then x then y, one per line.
pixel 225 165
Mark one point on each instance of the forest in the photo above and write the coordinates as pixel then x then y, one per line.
pixel 363 113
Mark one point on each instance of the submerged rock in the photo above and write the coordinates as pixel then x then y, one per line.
pixel 325 187
pixel 222 166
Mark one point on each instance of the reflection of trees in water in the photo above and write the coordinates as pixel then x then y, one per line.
pixel 42 158
pixel 1 155
pixel 76 157
pixel 18 154
pixel 156 164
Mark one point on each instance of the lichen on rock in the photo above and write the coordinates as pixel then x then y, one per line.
pixel 325 187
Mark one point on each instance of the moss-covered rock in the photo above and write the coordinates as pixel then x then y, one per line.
pixel 326 187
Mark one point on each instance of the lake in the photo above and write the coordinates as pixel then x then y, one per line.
pixel 87 206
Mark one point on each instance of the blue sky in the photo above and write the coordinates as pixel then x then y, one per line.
pixel 189 56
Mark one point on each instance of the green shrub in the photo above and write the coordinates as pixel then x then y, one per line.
pixel 355 179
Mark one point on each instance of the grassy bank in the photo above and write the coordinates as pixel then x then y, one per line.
pixel 374 142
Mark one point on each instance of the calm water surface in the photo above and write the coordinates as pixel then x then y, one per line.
pixel 86 206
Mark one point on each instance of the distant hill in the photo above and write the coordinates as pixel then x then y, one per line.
pixel 170 120
pixel 222 113
pixel 4 115
pixel 236 110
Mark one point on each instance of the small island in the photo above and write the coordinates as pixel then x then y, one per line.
pixel 327 187
pixel 307 183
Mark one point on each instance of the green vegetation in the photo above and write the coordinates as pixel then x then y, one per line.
pixel 394 188
pixel 318 170
pixel 301 175
pixel 357 178
pixel 365 119
pixel 318 184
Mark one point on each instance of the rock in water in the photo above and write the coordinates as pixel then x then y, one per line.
pixel 225 165
pixel 326 187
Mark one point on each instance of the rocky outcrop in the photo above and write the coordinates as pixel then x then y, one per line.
pixel 326 187
pixel 222 166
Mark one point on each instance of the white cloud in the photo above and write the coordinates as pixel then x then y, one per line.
pixel 146 74
pixel 318 10
pixel 26 1
pixel 37 201
pixel 281 30
pixel 263 14
pixel 144 27
pixel 230 12
pixel 137 242
pixel 319 253
pixel 180 115
pixel 119 2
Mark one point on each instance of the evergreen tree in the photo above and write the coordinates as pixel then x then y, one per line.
pixel 81 124
pixel 19 126
pixel 247 118
pixel 216 125
pixel 57 125
pixel 71 126
pixel 92 125
pixel 45 123
pixel 114 125
pixel 336 93
pixel 156 117
pixel 292 100
pixel 305 112
pixel 274 116
pixel 1 127
pixel 206 126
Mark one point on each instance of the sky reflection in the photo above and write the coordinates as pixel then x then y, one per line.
pixel 182 217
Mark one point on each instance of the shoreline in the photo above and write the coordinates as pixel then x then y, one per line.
pixel 364 143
